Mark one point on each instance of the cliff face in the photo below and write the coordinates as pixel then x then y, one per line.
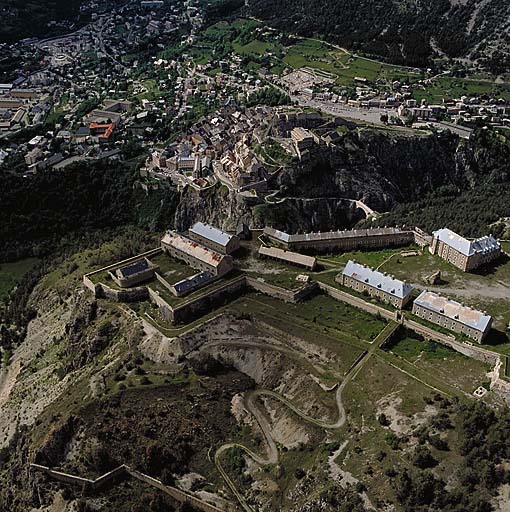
pixel 382 170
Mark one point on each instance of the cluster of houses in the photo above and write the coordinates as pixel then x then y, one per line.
pixel 22 108
pixel 463 110
pixel 219 147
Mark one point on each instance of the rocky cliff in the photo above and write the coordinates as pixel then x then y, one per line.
pixel 382 169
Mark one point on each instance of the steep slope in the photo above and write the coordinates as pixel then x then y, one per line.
pixel 400 31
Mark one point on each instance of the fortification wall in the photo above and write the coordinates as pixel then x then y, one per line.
pixel 373 309
pixel 190 310
pixel 165 309
pixel 123 470
pixel 472 351
pixel 175 493
pixel 127 295
pixel 164 282
pixel 90 285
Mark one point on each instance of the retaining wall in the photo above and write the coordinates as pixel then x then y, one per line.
pixel 373 309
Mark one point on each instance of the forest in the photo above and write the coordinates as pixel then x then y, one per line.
pixel 397 31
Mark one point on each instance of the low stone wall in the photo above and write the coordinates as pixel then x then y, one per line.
pixel 281 293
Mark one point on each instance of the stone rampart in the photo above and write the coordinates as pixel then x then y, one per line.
pixel 94 485
pixel 373 309
pixel 127 295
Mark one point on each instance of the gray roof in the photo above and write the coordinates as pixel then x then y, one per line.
pixel 454 310
pixel 377 279
pixel 199 279
pixel 274 233
pixel 332 235
pixel 464 246
pixel 211 233
pixel 134 268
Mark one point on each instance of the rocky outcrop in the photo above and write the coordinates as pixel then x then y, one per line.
pixel 379 168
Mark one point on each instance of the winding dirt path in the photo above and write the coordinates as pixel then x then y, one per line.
pixel 250 402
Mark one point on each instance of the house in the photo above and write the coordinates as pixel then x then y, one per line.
pixel 465 254
pixel 375 284
pixel 452 315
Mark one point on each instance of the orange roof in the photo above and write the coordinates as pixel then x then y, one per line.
pixel 108 127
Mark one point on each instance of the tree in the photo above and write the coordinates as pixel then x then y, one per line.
pixel 422 458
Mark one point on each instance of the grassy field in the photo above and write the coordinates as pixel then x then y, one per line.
pixel 12 273
pixel 254 47
pixel 443 363
pixel 448 87
pixel 371 258
pixel 320 314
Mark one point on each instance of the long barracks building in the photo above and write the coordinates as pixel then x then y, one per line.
pixel 376 284
pixel 348 240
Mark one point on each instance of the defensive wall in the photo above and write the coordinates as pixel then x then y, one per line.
pixel 122 471
pixel 188 311
pixel 99 288
pixel 373 309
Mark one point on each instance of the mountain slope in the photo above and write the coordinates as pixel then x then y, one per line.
pixel 401 31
